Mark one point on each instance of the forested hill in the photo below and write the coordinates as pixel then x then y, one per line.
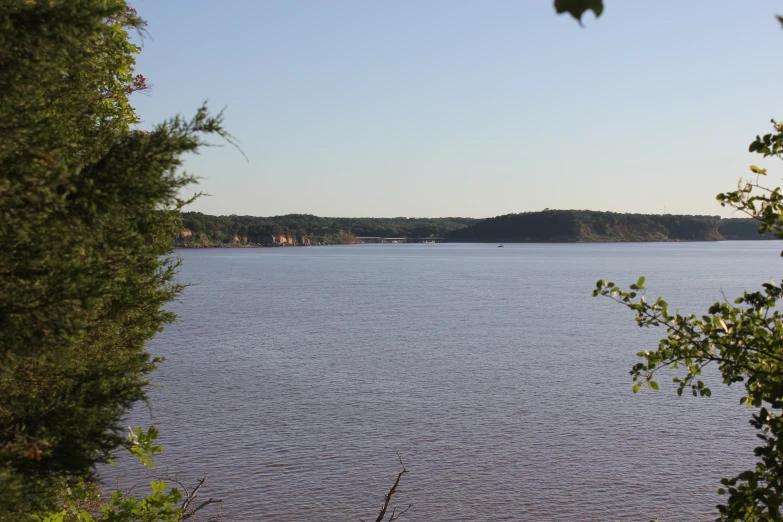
pixel 547 226
pixel 304 229
pixel 742 228
pixel 591 226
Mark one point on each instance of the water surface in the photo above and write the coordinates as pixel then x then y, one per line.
pixel 296 376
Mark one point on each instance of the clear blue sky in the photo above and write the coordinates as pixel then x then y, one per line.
pixel 466 108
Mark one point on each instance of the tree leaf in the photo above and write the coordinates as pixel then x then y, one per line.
pixel 577 8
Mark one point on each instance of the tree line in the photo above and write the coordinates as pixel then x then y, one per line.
pixel 257 230
pixel 545 226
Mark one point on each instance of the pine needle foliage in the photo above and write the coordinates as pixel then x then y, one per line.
pixel 88 207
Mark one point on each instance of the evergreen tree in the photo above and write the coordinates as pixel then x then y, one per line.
pixel 88 207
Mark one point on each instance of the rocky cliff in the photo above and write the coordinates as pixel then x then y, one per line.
pixel 189 239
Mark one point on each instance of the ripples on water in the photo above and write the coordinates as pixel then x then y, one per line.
pixel 295 376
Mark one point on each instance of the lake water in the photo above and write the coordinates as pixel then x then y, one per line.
pixel 295 377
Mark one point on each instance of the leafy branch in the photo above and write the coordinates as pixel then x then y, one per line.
pixel 743 338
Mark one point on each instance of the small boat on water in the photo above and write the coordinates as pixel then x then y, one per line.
pixel 500 246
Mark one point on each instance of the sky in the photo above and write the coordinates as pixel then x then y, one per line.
pixel 464 108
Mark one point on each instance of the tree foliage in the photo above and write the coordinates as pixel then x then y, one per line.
pixel 744 339
pixel 587 225
pixel 742 228
pixel 88 207
pixel 255 230
pixel 84 501
pixel 545 226
pixel 577 8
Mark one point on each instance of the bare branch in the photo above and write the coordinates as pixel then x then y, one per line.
pixel 394 517
pixel 204 504
pixel 389 495
pixel 175 478
pixel 192 496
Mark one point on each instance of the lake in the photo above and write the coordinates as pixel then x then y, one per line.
pixel 296 376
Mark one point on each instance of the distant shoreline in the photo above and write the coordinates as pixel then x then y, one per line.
pixel 549 226
pixel 240 246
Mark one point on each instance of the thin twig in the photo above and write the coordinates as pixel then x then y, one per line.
pixel 201 506
pixel 391 492
pixel 193 494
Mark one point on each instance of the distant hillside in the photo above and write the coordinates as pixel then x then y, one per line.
pixel 742 228
pixel 202 230
pixel 590 226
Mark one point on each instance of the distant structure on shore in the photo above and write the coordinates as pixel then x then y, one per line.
pixel 367 239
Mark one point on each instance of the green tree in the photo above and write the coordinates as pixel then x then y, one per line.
pixel 744 339
pixel 88 207
pixel 84 501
